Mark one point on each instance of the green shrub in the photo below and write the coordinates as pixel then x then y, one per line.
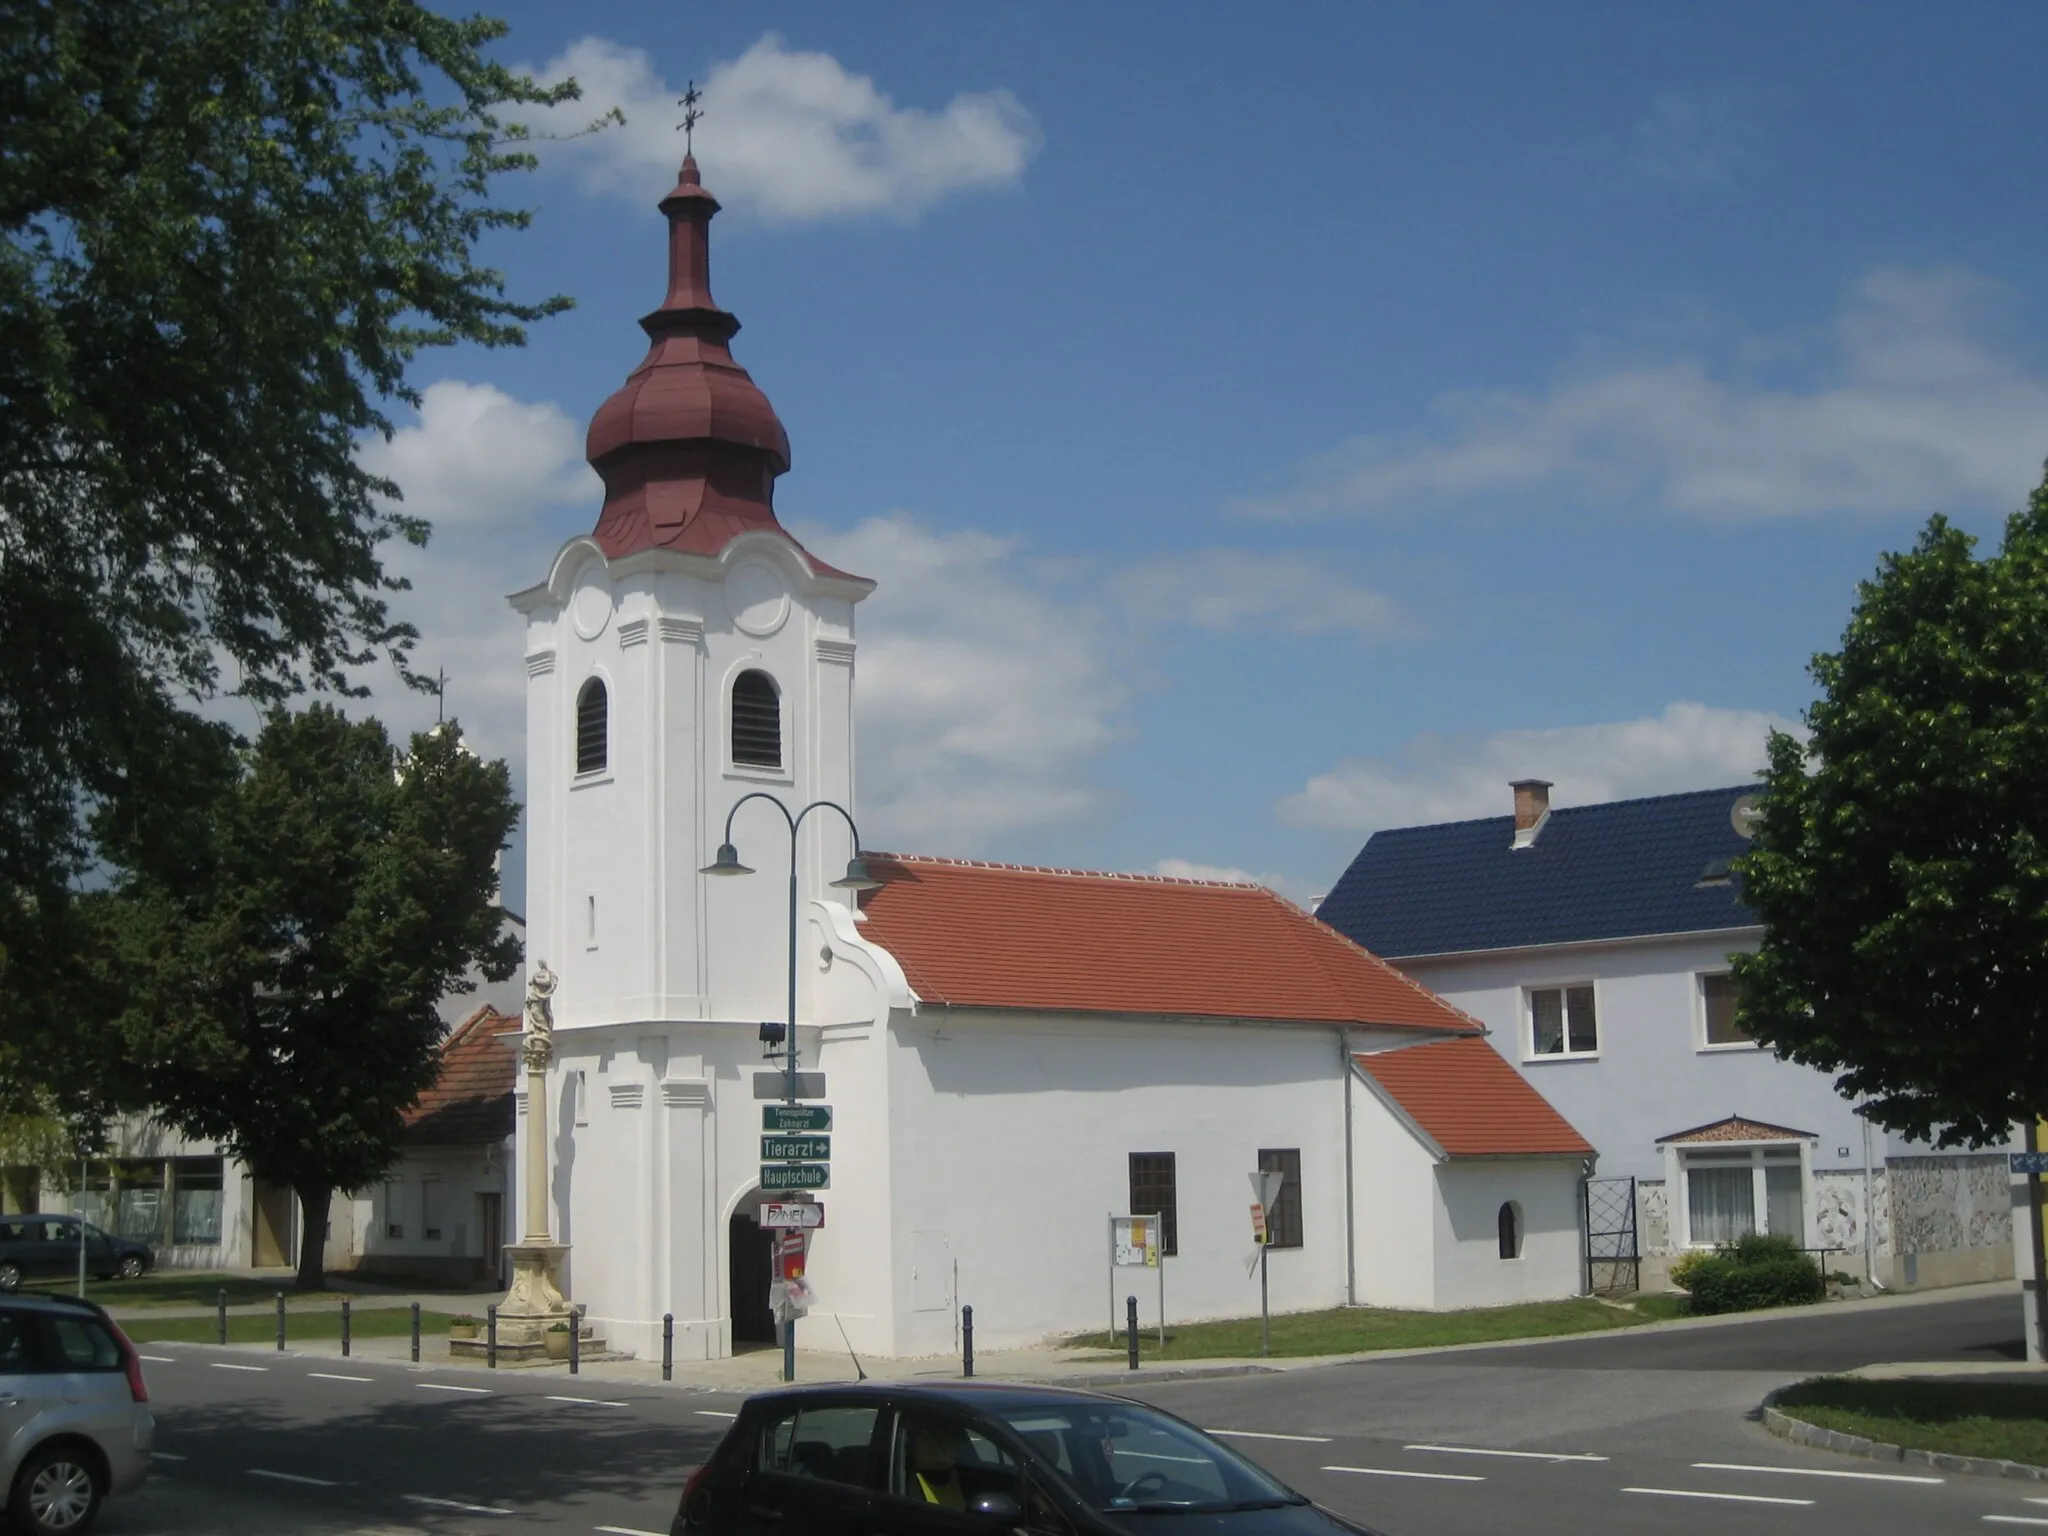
pixel 1685 1264
pixel 1724 1282
pixel 1757 1247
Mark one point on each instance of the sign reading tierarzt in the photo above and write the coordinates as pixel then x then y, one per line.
pixel 796 1117
pixel 796 1149
pixel 796 1175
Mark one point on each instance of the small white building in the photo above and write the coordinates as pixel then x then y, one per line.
pixel 1011 1055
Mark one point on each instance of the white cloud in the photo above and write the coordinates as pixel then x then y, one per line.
pixel 1692 137
pixel 1454 778
pixel 1919 409
pixel 1222 590
pixel 790 135
pixel 478 456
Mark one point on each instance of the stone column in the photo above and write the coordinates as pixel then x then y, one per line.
pixel 535 1299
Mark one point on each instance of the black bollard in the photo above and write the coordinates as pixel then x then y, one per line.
pixel 668 1346
pixel 280 1320
pixel 575 1339
pixel 415 1333
pixel 1131 1328
pixel 221 1302
pixel 344 1327
pixel 491 1336
pixel 967 1341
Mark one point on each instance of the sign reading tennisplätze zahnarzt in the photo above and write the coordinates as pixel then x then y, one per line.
pixel 787 1118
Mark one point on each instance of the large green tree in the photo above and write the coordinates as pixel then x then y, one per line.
pixel 1900 866
pixel 226 229
pixel 279 972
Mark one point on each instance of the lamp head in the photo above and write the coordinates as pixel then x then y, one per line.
pixel 857 877
pixel 727 862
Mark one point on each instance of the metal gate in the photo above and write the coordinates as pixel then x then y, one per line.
pixel 1613 1261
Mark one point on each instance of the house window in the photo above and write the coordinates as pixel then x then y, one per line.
pixel 1729 1194
pixel 429 1217
pixel 1561 1022
pixel 394 1219
pixel 1152 1195
pixel 1717 1011
pixel 1510 1224
pixel 756 721
pixel 1283 1221
pixel 592 728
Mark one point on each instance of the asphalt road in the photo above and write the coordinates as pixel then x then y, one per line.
pixel 1627 1433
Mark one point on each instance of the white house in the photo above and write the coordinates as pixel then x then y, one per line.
pixel 1594 943
pixel 1012 1055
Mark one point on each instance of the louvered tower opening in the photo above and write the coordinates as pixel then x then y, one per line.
pixel 756 721
pixel 592 727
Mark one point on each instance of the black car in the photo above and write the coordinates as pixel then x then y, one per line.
pixel 38 1247
pixel 980 1459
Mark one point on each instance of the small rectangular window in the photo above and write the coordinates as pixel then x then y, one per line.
pixel 1562 1022
pixel 1152 1194
pixel 1717 1009
pixel 1283 1221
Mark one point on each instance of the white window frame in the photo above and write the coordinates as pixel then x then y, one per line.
pixel 1760 1208
pixel 1699 1016
pixel 1529 991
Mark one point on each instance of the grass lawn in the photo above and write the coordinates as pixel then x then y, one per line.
pixel 182 1288
pixel 1999 1419
pixel 1660 1306
pixel 1352 1330
pixel 261 1328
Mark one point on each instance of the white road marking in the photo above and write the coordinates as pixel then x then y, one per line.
pixel 467 1509
pixel 1474 1450
pixel 164 1456
pixel 293 1477
pixel 222 1365
pixel 626 1530
pixel 713 1413
pixel 331 1376
pixel 1868 1477
pixel 1254 1434
pixel 1434 1477
pixel 595 1402
pixel 442 1386
pixel 1733 1498
pixel 159 1359
pixel 2017 1519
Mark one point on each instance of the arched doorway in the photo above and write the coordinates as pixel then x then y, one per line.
pixel 750 1266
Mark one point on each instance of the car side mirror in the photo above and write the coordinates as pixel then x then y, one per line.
pixel 997 1506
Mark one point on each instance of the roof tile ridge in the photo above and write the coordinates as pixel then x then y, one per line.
pixel 947 861
pixel 1386 965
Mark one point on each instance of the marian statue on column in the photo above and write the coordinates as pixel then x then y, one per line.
pixel 540 1017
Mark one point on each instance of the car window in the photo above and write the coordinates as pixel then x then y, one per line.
pixel 80 1344
pixel 60 1232
pixel 1120 1456
pixel 12 1231
pixel 829 1442
pixel 936 1458
pixel 13 1345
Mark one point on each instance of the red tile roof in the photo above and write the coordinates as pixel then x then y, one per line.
pixel 1735 1128
pixel 973 934
pixel 471 1100
pixel 1470 1102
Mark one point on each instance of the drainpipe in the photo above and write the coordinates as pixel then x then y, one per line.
pixel 1869 1211
pixel 1350 1197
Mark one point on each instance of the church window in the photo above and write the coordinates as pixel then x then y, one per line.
pixel 1283 1221
pixel 1510 1223
pixel 756 721
pixel 593 728
pixel 1152 1194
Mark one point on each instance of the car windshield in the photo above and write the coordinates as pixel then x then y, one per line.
pixel 1126 1459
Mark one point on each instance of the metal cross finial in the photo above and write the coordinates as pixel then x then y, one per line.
pixel 691 116
pixel 441 695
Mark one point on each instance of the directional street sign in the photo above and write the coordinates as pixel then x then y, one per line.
pixel 796 1149
pixel 796 1117
pixel 2028 1162
pixel 775 1085
pixel 796 1175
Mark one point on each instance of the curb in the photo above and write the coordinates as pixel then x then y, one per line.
pixel 1799 1432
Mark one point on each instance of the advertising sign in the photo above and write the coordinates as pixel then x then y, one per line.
pixel 1134 1242
pixel 1258 1222
pixel 779 1215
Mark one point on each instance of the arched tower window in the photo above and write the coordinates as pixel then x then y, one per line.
pixel 592 728
pixel 756 721
pixel 1511 1231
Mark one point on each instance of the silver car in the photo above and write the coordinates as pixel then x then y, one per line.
pixel 75 1423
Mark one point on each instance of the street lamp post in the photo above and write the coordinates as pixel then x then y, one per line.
pixel 856 878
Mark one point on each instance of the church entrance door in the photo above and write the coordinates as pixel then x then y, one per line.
pixel 750 1265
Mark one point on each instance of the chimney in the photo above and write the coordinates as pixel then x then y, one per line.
pixel 1532 809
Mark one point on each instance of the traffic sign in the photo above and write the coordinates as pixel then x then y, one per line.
pixel 775 1085
pixel 796 1149
pixel 796 1117
pixel 2028 1162
pixel 796 1175
pixel 781 1215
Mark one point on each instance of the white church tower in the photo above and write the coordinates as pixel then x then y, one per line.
pixel 686 652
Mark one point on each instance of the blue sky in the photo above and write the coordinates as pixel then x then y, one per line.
pixel 1272 423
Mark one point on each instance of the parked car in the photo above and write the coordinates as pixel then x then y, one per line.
pixel 75 1423
pixel 970 1457
pixel 35 1247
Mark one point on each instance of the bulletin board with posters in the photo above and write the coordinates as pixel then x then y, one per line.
pixel 1136 1242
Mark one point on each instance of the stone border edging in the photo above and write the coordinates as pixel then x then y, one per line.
pixel 1799 1432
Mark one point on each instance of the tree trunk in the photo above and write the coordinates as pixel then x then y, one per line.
pixel 313 1202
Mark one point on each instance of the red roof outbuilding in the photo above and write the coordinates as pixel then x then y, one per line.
pixel 1467 1099
pixel 471 1099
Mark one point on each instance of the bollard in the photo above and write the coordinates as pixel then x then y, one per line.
pixel 344 1327
pixel 967 1341
pixel 575 1339
pixel 415 1333
pixel 491 1337
pixel 221 1301
pixel 1131 1328
pixel 280 1320
pixel 668 1346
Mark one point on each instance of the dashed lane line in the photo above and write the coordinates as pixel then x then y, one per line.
pixel 1434 1477
pixel 1732 1498
pixel 625 1530
pixel 594 1402
pixel 1868 1477
pixel 158 1359
pixel 1479 1450
pixel 1259 1434
pixel 293 1477
pixel 2016 1520
pixel 333 1376
pixel 467 1509
pixel 222 1365
pixel 448 1386
pixel 712 1413
pixel 164 1456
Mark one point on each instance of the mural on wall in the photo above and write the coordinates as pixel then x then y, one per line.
pixel 1653 1218
pixel 1945 1204
pixel 1838 1212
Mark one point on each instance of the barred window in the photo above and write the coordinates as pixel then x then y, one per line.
pixel 756 721
pixel 1283 1221
pixel 592 728
pixel 1152 1194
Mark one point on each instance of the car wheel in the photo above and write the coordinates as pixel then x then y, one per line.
pixel 58 1493
pixel 131 1267
pixel 10 1277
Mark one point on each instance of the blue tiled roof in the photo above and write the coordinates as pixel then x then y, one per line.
pixel 1627 869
